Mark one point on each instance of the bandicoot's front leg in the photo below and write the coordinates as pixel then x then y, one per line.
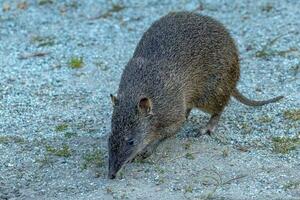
pixel 148 151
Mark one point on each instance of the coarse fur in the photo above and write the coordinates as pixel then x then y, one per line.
pixel 183 61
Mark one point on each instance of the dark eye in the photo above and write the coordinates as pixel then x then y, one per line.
pixel 130 142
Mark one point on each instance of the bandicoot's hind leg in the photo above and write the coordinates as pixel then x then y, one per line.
pixel 187 113
pixel 211 125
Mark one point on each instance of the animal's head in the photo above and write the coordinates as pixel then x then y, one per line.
pixel 132 129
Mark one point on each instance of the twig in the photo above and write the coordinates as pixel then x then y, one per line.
pixel 242 148
pixel 272 42
pixel 31 55
pixel 219 182
pixel 234 178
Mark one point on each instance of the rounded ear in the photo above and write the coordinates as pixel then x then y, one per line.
pixel 113 99
pixel 145 106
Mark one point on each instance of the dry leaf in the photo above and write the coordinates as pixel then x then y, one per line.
pixel 22 5
pixel 5 7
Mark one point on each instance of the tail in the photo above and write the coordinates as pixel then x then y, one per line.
pixel 238 96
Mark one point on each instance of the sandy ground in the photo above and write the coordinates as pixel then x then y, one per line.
pixel 60 60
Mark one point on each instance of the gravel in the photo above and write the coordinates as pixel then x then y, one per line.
pixel 54 119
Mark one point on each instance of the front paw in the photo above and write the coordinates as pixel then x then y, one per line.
pixel 143 155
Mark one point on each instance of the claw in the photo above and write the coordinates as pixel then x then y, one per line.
pixel 205 131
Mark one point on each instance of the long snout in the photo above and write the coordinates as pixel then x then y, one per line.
pixel 117 162
pixel 111 175
pixel 113 170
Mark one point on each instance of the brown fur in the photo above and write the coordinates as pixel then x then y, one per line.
pixel 183 61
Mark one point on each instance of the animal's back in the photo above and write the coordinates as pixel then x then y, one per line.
pixel 181 35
